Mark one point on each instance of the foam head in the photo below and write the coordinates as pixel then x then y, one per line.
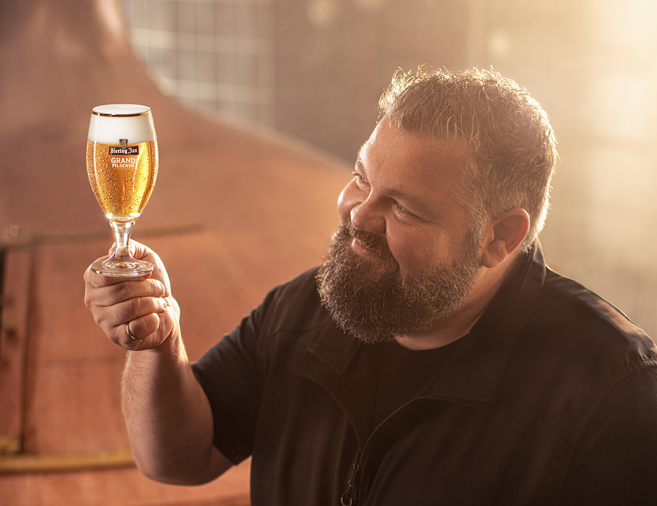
pixel 109 123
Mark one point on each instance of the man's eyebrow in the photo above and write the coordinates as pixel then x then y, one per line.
pixel 416 205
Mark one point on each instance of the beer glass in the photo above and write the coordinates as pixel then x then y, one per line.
pixel 122 165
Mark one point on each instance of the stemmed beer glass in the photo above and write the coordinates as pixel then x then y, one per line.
pixel 122 165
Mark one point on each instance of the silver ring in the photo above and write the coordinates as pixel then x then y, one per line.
pixel 127 329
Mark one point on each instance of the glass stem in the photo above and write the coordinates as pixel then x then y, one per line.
pixel 122 231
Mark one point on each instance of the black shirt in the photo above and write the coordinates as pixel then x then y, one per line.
pixel 389 375
pixel 550 399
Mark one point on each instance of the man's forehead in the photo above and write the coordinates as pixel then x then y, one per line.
pixel 434 155
pixel 426 172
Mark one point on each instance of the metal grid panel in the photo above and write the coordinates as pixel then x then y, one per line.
pixel 215 56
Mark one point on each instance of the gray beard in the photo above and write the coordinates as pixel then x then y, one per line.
pixel 378 306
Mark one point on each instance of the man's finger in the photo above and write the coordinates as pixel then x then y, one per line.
pixel 107 296
pixel 147 332
pixel 139 328
pixel 127 290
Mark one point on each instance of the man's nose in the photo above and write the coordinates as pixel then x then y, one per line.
pixel 362 209
pixel 366 216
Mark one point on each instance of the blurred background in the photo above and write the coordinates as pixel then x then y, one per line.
pixel 261 108
pixel 314 69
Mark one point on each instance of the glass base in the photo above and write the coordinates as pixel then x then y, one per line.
pixel 122 268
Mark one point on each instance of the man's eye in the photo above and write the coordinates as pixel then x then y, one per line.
pixel 358 175
pixel 360 180
pixel 402 211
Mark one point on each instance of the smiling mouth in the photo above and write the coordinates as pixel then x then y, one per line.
pixel 361 249
pixel 365 244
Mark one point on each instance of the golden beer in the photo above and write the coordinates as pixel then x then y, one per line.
pixel 122 182
pixel 122 165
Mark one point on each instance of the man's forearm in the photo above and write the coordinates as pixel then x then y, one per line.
pixel 168 417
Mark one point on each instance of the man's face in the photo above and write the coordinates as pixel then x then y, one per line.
pixel 405 256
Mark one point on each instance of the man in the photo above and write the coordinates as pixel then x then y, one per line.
pixel 432 359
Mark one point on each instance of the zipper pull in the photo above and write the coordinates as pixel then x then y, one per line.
pixel 346 499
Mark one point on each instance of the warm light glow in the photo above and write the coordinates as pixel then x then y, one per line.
pixel 322 13
pixel 370 5
pixel 112 15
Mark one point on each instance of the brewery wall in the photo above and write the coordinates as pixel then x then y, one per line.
pixel 214 56
pixel 314 69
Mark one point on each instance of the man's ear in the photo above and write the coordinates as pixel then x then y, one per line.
pixel 503 236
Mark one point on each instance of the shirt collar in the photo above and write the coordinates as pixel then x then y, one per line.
pixel 473 374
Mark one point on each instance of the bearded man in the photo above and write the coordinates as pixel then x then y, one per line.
pixel 432 359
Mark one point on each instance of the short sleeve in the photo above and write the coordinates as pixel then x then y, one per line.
pixel 616 459
pixel 228 373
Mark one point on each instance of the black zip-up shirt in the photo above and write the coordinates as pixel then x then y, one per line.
pixel 551 399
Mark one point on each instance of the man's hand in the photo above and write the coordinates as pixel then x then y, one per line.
pixel 142 307
pixel 168 417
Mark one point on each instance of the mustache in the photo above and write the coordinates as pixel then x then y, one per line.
pixel 376 243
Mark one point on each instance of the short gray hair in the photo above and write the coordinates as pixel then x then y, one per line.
pixel 510 144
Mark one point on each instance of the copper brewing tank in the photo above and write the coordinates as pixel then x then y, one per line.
pixel 234 212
